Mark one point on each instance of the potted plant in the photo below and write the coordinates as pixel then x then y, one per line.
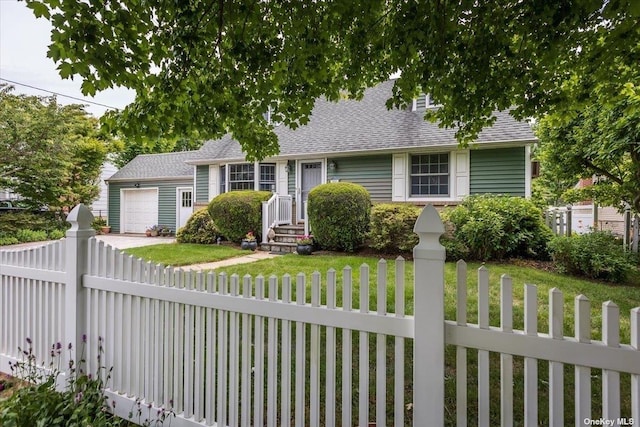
pixel 153 230
pixel 249 242
pixel 164 231
pixel 304 245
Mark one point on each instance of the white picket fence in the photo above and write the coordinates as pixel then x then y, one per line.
pixel 249 351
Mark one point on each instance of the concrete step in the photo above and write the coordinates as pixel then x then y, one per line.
pixel 278 247
pixel 290 229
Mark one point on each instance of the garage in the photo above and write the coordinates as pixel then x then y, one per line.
pixel 139 209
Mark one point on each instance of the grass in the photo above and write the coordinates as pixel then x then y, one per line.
pixel 177 254
pixel 625 296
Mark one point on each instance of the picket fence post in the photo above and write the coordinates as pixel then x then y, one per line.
pixel 428 371
pixel 76 260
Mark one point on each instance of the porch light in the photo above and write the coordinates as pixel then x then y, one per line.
pixel 287 169
pixel 332 165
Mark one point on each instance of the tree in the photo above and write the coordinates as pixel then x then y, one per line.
pixel 51 154
pixel 601 140
pixel 219 66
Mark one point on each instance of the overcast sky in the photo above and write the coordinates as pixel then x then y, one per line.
pixel 23 58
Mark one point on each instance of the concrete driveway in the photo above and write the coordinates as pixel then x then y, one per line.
pixel 119 241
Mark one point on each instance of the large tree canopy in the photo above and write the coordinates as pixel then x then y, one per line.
pixel 217 66
pixel 602 140
pixel 51 154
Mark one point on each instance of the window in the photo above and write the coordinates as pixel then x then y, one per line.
pixel 430 175
pixel 223 179
pixel 241 177
pixel 268 177
pixel 187 199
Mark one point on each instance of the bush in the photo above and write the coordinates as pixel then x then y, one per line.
pixel 7 240
pixel 497 227
pixel 236 213
pixel 391 229
pixel 198 229
pixel 56 234
pixel 11 223
pixel 597 255
pixel 31 236
pixel 339 215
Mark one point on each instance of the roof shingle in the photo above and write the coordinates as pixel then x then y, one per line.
pixel 156 166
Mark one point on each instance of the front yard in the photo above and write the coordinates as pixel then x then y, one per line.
pixel 179 254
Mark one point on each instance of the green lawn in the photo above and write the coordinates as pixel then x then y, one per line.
pixel 177 254
pixel 627 297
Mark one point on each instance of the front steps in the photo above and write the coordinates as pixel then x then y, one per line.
pixel 285 239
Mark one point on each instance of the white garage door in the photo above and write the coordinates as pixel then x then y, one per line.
pixel 139 210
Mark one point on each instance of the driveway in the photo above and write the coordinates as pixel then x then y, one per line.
pixel 119 241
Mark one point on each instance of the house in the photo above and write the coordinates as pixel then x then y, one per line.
pixel 100 208
pixel 395 154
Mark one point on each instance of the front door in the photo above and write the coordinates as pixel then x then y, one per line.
pixel 311 176
pixel 185 206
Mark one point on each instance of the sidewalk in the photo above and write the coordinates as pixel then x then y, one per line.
pixel 253 257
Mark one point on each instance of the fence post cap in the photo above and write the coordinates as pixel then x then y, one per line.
pixel 429 222
pixel 80 218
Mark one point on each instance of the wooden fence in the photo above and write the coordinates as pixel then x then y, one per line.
pixel 326 350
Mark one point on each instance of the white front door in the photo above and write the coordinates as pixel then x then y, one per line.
pixel 310 177
pixel 185 206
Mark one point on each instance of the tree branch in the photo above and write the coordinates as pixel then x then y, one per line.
pixel 587 163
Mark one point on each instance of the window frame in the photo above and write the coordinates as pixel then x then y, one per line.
pixel 448 174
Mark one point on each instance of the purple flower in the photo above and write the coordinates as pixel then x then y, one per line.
pixel 70 346
pixel 28 340
pixel 84 338
pixel 78 397
pixel 58 346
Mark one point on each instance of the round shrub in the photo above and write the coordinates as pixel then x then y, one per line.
pixel 597 255
pixel 339 215
pixel 391 229
pixel 497 227
pixel 236 213
pixel 198 229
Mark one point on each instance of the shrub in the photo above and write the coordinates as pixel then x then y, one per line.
pixel 31 236
pixel 497 227
pixel 237 212
pixel 56 234
pixel 10 223
pixel 8 240
pixel 198 229
pixel 391 229
pixel 339 215
pixel 597 255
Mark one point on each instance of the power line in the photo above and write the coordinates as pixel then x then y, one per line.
pixel 59 94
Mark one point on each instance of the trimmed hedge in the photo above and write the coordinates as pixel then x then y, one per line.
pixel 339 215
pixel 198 229
pixel 236 213
pixel 597 255
pixel 498 227
pixel 391 229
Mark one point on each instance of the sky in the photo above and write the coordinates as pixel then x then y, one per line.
pixel 24 42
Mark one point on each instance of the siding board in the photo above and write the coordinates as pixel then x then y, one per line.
pixel 202 184
pixel 372 172
pixel 498 171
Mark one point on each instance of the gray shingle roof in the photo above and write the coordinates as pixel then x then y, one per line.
pixel 356 126
pixel 156 166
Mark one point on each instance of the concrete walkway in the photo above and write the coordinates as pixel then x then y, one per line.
pixel 252 257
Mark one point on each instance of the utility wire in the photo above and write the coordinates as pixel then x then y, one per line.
pixel 59 94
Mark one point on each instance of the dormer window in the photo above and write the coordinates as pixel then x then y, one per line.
pixel 423 102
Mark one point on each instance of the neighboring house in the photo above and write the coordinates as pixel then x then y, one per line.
pixel 152 189
pixel 395 154
pixel 100 207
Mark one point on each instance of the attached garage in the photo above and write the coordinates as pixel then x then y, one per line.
pixel 139 209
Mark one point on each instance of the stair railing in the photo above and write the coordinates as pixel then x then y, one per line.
pixel 276 211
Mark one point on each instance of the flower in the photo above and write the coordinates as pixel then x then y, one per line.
pixel 250 237
pixel 304 240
